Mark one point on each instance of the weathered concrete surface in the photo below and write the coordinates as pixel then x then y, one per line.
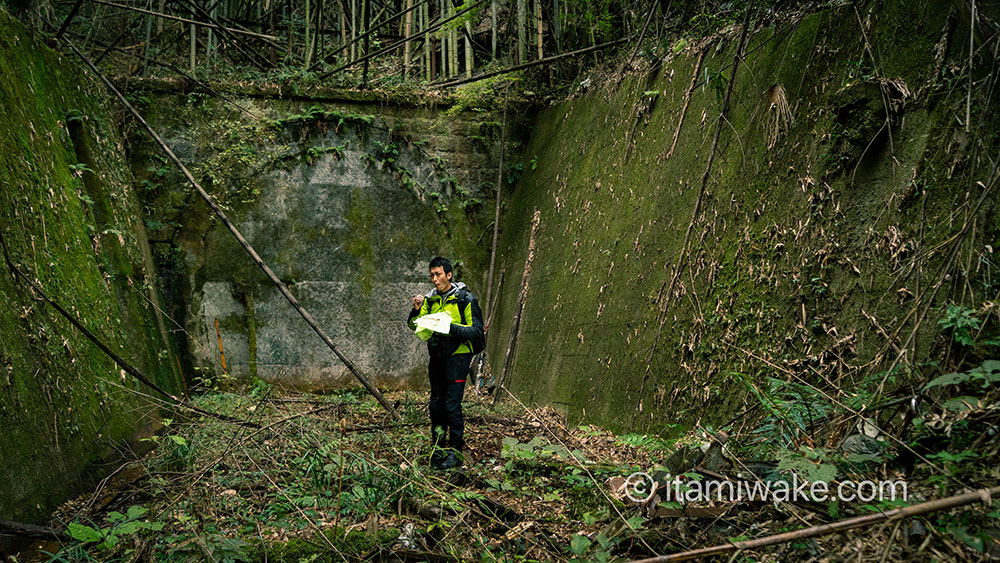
pixel 347 202
pixel 804 258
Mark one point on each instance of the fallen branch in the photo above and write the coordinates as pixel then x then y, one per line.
pixel 942 276
pixel 69 18
pixel 186 20
pixel 246 245
pixel 984 495
pixel 687 102
pixel 31 531
pixel 522 296
pixel 551 59
pixel 480 365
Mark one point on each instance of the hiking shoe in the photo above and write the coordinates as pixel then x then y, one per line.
pixel 450 462
pixel 436 458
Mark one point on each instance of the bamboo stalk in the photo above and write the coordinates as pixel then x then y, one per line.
pixel 354 29
pixel 307 45
pixel 426 11
pixel 538 24
pixel 395 45
pixel 381 23
pixel 469 61
pixel 69 18
pixel 445 67
pixel 149 37
pixel 194 44
pixel 407 29
pixel 496 235
pixel 453 37
pixel 183 379
pixel 521 31
pixel 343 30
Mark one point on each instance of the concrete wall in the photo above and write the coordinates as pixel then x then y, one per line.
pixel 803 258
pixel 346 200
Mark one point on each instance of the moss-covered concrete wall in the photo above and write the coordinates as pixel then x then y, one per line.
pixel 70 218
pixel 807 257
pixel 347 200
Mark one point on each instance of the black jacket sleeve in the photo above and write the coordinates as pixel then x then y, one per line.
pixel 414 313
pixel 469 332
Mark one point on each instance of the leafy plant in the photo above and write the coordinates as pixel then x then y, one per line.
pixel 792 408
pixel 986 374
pixel 514 172
pixel 119 526
pixel 961 324
pixel 810 464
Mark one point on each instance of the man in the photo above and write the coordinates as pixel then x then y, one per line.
pixel 450 355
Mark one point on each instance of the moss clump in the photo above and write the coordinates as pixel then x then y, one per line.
pixel 351 544
pixel 360 218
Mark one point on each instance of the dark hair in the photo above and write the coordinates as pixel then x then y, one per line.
pixel 443 262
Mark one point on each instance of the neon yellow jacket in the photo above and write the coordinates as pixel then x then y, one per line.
pixel 440 345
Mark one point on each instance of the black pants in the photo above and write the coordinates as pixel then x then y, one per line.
pixel 447 377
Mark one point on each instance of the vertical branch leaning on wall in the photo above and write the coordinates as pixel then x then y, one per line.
pixel 243 242
pixel 222 353
pixel 508 359
pixel 496 231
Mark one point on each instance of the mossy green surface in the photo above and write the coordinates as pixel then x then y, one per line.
pixel 71 221
pixel 335 546
pixel 796 248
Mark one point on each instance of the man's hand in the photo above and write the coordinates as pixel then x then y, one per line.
pixel 418 300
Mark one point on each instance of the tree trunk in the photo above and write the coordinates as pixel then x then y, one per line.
pixel 407 30
pixel 428 57
pixel 468 50
pixel 453 46
pixel 194 41
pixel 538 23
pixel 522 18
pixel 365 16
pixel 354 28
pixel 444 40
pixel 149 37
pixel 555 25
pixel 307 44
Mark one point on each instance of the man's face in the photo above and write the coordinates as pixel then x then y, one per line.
pixel 441 280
